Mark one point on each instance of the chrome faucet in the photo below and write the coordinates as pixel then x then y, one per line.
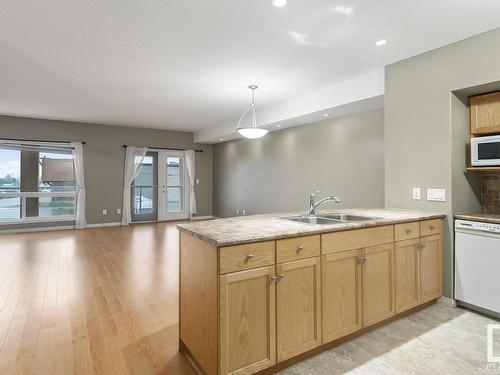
pixel 313 205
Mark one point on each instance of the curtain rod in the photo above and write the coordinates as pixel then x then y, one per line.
pixel 35 140
pixel 170 148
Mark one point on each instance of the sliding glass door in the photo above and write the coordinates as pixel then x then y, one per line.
pixel 173 201
pixel 159 192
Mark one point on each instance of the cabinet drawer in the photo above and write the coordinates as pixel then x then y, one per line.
pixel 244 257
pixel 406 231
pixel 298 248
pixel 430 227
pixel 356 239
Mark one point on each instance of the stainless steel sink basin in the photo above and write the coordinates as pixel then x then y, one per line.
pixel 330 219
pixel 313 220
pixel 347 217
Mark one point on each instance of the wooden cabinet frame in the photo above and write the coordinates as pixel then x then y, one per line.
pixel 356 267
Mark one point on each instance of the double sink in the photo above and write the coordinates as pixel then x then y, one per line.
pixel 330 219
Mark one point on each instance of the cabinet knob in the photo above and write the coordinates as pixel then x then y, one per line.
pixel 431 228
pixel 300 248
pixel 250 256
pixel 408 231
pixel 363 259
pixel 277 278
pixel 366 259
pixel 422 247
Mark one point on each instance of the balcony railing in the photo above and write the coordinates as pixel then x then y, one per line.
pixel 48 206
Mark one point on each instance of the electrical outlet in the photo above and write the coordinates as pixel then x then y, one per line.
pixel 436 195
pixel 243 212
pixel 197 181
pixel 237 211
pixel 104 212
pixel 118 211
pixel 416 194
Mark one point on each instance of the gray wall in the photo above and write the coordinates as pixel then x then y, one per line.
pixel 342 156
pixel 420 139
pixel 104 158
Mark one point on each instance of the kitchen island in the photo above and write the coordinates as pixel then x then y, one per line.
pixel 258 293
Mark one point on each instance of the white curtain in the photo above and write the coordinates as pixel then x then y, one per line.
pixel 134 157
pixel 80 219
pixel 191 170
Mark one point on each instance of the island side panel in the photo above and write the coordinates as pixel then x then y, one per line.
pixel 198 301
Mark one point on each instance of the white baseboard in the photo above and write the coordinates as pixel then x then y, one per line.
pixel 101 225
pixel 208 217
pixel 41 229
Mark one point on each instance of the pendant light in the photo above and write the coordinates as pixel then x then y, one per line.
pixel 250 129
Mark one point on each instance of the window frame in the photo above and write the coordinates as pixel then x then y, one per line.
pixel 44 147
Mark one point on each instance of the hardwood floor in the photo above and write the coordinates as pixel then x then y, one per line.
pixel 95 301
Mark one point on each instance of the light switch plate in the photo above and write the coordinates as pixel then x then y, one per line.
pixel 436 195
pixel 416 194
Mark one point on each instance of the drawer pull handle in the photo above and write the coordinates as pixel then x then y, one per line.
pixel 250 256
pixel 408 231
pixel 300 248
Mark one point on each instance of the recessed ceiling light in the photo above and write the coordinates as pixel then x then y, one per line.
pixel 279 126
pixel 279 3
pixel 326 114
pixel 343 9
pixel 221 139
pixel 381 42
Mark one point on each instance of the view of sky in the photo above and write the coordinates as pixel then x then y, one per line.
pixel 9 162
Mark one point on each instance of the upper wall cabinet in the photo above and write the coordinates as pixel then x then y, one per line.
pixel 485 114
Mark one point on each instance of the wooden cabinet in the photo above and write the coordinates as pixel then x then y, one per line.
pixel 378 283
pixel 418 268
pixel 407 274
pixel 341 294
pixel 298 307
pixel 247 330
pixel 245 308
pixel 485 114
pixel 431 280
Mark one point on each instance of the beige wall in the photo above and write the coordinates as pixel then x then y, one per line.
pixel 342 156
pixel 104 158
pixel 422 144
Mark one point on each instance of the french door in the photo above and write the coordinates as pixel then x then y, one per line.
pixel 173 197
pixel 144 190
pixel 160 190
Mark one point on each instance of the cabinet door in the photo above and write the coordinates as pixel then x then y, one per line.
pixel 430 268
pixel 485 114
pixel 378 284
pixel 407 273
pixel 247 321
pixel 298 307
pixel 341 292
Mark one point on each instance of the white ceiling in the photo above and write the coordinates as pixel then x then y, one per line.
pixel 186 65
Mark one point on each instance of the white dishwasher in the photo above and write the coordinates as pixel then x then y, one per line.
pixel 477 264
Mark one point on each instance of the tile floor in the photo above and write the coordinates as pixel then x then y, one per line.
pixel 437 340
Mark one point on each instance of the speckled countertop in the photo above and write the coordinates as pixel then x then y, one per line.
pixel 478 216
pixel 242 229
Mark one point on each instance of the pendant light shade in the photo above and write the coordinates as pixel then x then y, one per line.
pixel 247 126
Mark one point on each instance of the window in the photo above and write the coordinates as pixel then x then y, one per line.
pixel 174 184
pixel 10 171
pixel 36 183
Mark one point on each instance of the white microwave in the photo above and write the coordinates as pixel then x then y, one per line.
pixel 485 151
